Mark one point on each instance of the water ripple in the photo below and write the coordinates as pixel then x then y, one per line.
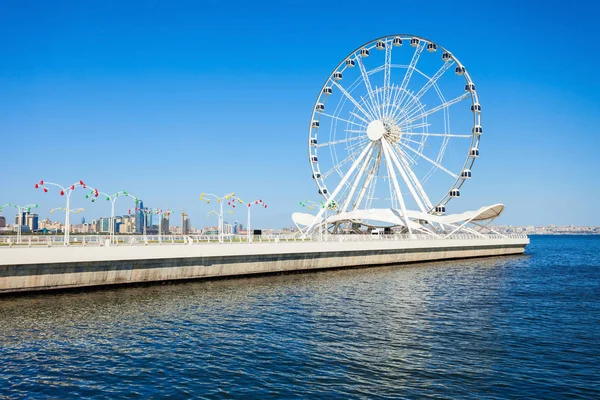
pixel 490 328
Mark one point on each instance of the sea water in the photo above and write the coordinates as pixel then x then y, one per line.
pixel 502 327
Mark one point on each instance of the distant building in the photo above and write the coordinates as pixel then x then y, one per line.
pixel 2 222
pixel 104 223
pixel 164 224
pixel 32 221
pixel 185 224
pixel 139 217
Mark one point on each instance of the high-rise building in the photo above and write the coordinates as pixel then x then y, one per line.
pixel 185 224
pixel 26 219
pixel 2 222
pixel 32 221
pixel 164 224
pixel 139 217
pixel 104 223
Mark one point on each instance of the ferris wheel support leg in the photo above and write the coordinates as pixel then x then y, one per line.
pixel 340 186
pixel 405 177
pixel 359 176
pixel 386 154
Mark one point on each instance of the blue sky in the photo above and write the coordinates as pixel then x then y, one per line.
pixel 171 99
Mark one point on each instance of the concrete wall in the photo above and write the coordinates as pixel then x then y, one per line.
pixel 30 269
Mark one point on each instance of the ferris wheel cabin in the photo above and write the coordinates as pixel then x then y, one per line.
pixel 380 45
pixel 455 193
pixel 350 63
pixel 397 41
pixel 364 52
pixel 414 42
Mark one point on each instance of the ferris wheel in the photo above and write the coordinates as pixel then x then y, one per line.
pixel 396 125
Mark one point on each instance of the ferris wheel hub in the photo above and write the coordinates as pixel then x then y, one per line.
pixel 376 130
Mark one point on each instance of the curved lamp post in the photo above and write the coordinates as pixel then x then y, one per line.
pixel 94 193
pixel 220 200
pixel 20 210
pixel 64 191
pixel 331 205
pixel 215 212
pixel 160 213
pixel 70 211
pixel 147 211
pixel 257 202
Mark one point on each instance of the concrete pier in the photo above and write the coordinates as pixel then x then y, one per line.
pixel 34 269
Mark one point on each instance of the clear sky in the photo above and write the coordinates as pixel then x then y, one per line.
pixel 168 99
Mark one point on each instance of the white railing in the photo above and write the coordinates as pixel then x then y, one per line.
pixel 166 240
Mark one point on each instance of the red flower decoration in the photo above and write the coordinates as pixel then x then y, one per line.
pixel 41 182
pixel 62 192
pixel 45 190
pixel 37 186
pixel 81 183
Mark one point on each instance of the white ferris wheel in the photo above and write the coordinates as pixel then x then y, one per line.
pixel 395 126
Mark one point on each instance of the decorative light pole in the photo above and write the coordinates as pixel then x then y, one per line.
pixel 258 202
pixel 93 194
pixel 65 191
pixel 220 200
pixel 148 211
pixel 215 212
pixel 20 210
pixel 331 205
pixel 160 214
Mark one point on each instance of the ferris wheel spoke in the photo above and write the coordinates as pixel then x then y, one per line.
pixel 409 71
pixel 433 110
pixel 415 99
pixel 359 117
pixel 343 120
pixel 411 141
pixel 353 100
pixel 387 76
pixel 356 131
pixel 351 147
pixel 350 139
pixel 424 157
pixel 339 165
pixel 450 135
pixel 367 82
pixel 407 129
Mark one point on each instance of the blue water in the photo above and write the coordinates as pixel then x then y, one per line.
pixel 525 326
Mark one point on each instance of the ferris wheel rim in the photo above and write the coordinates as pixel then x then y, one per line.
pixel 341 67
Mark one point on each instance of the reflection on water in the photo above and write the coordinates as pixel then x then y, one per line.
pixel 496 327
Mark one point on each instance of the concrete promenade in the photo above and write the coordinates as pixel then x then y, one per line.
pixel 44 268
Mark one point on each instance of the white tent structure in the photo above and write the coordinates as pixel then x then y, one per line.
pixel 474 222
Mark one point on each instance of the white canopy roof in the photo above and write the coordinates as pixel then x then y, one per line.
pixel 395 217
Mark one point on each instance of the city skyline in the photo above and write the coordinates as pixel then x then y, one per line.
pixel 167 107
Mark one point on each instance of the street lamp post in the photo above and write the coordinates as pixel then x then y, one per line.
pixel 160 214
pixel 220 200
pixel 211 212
pixel 20 210
pixel 258 202
pixel 330 205
pixel 64 191
pixel 113 199
pixel 70 211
